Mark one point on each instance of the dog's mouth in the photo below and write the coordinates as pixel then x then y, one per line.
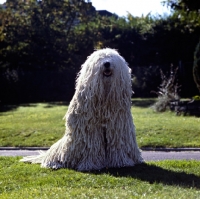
pixel 107 73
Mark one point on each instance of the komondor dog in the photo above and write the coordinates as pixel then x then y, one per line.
pixel 99 126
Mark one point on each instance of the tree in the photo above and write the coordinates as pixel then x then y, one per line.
pixel 184 5
pixel 189 11
pixel 41 34
pixel 39 39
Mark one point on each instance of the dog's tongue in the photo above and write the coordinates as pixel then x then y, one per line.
pixel 107 72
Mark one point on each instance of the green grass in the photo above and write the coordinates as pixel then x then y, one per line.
pixel 164 129
pixel 41 124
pixel 164 179
pixel 38 124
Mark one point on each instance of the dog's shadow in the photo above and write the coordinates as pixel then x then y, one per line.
pixel 154 174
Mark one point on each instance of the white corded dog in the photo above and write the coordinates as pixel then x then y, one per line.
pixel 99 126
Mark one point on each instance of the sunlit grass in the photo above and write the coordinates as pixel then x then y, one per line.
pixel 41 124
pixel 164 179
pixel 165 129
pixel 33 125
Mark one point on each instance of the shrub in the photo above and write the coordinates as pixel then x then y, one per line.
pixel 168 91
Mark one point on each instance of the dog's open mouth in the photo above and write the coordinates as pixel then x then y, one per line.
pixel 107 72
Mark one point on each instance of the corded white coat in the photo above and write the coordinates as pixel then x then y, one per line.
pixel 99 126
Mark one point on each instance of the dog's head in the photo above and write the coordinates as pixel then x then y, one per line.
pixel 104 71
pixel 105 62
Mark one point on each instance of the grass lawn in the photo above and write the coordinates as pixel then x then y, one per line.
pixel 41 124
pixel 164 180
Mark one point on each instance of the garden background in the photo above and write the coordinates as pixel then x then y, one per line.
pixel 44 43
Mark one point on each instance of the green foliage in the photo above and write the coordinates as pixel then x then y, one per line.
pixel 188 12
pixel 38 34
pixel 196 97
pixel 161 179
pixel 128 35
pixel 59 35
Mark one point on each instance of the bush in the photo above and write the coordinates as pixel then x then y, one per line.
pixel 167 91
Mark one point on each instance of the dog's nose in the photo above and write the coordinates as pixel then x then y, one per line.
pixel 107 64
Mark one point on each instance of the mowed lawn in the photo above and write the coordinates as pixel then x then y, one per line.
pixel 160 180
pixel 42 124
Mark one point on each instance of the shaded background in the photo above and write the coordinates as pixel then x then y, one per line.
pixel 44 43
